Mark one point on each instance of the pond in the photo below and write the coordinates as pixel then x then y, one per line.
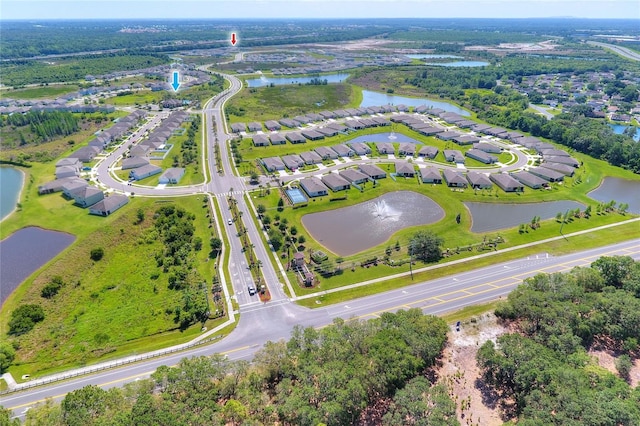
pixel 385 137
pixel 370 98
pixel 619 190
pixel 434 56
pixel 462 64
pixel 24 252
pixel 352 229
pixel 11 183
pixel 487 217
pixel 279 81
pixel 618 129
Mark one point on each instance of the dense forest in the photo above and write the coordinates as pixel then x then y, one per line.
pixel 44 125
pixel 542 373
pixel 327 376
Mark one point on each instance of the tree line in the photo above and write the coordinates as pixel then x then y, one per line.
pixel 45 125
pixel 542 373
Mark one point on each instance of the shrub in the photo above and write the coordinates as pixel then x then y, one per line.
pixel 24 318
pixel 52 288
pixel 97 254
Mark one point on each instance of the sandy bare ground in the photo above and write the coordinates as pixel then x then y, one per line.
pixel 460 372
pixel 607 360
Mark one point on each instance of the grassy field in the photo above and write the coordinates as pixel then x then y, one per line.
pixel 140 97
pixel 274 103
pixel 41 92
pixel 110 308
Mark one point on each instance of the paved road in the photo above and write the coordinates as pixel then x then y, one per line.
pixel 542 111
pixel 275 320
pixel 622 51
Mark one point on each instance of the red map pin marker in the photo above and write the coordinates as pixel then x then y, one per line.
pixel 233 39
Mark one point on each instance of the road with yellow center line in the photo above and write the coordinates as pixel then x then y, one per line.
pixel 274 321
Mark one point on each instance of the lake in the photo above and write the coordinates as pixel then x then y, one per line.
pixel 385 137
pixel 487 217
pixel 618 129
pixel 349 230
pixel 24 252
pixel 279 81
pixel 11 182
pixel 619 190
pixel 434 56
pixel 370 98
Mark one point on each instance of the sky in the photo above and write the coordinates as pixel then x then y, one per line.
pixel 222 9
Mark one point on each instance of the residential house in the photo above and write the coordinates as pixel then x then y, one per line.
pixel 428 152
pixel 172 175
pixel 405 169
pixel 335 182
pixel 238 127
pixel 343 150
pixel 487 147
pixel 313 187
pixel 407 148
pixel 292 161
pixel 354 176
pixel 312 135
pixel 287 122
pixel 481 156
pixel 70 162
pixel 310 157
pixel 134 162
pixel 326 153
pixel 144 171
pixel 108 205
pixel 66 171
pixel 272 164
pixel 140 150
pixel 385 148
pixel 360 148
pixel 447 135
pixel 430 175
pixel 570 161
pixel 427 129
pixel 85 196
pixel 454 178
pixel 58 185
pixel 506 182
pixel 466 139
pixel 565 169
pixel 272 125
pixel 86 154
pixel 479 180
pixel 373 171
pixel 531 180
pixel 254 126
pixel 547 174
pixel 327 131
pixel 453 156
pixel 277 139
pixel 260 140
pixel 295 137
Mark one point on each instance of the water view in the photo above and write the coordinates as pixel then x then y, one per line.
pixel 385 137
pixel 370 98
pixel 24 252
pixel 618 129
pixel 619 190
pixel 468 64
pixel 487 217
pixel 11 183
pixel 352 229
pixel 278 81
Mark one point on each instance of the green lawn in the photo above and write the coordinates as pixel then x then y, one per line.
pixel 141 97
pixel 41 92
pixel 114 307
pixel 274 103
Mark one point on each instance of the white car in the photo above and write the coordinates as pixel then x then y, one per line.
pixel 230 222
